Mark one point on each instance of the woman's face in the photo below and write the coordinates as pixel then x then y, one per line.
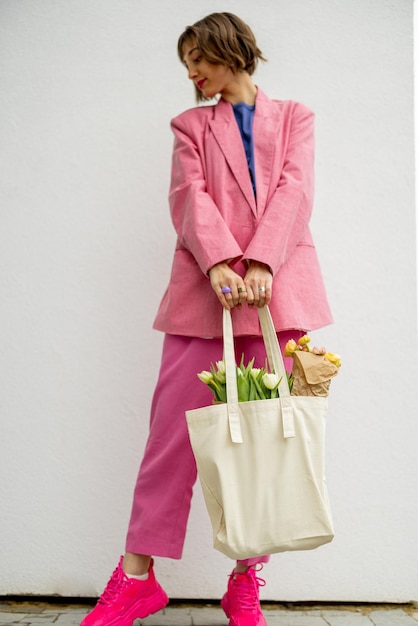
pixel 210 79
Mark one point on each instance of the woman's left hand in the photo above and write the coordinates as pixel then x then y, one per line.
pixel 258 282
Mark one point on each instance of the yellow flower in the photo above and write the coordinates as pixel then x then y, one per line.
pixel 303 341
pixel 334 358
pixel 290 347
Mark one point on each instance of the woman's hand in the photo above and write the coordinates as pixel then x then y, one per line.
pixel 258 282
pixel 222 277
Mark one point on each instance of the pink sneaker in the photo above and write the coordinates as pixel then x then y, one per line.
pixel 126 599
pixel 241 602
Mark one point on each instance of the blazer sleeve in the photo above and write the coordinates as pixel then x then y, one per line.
pixel 200 226
pixel 289 210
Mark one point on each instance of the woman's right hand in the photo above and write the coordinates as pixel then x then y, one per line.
pixel 258 282
pixel 222 276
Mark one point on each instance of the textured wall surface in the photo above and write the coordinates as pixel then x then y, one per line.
pixel 88 89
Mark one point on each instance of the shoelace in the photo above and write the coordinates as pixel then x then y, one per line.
pixel 246 590
pixel 113 587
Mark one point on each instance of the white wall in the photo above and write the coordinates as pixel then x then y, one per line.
pixel 87 92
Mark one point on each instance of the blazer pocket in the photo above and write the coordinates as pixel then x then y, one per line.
pixel 307 244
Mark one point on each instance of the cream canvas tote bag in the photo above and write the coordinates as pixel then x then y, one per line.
pixel 261 463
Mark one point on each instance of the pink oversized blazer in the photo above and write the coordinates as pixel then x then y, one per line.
pixel 217 217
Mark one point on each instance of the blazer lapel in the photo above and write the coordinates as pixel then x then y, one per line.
pixel 267 121
pixel 226 132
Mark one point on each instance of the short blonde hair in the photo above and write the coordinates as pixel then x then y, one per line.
pixel 222 39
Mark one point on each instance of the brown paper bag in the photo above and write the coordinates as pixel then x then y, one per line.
pixel 312 374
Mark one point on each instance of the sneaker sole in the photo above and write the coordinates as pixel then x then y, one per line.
pixel 142 609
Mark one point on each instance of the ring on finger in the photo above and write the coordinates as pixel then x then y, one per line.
pixel 242 290
pixel 262 290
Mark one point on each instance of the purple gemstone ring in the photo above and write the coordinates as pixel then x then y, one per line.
pixel 226 290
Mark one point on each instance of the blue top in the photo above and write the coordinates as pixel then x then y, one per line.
pixel 244 114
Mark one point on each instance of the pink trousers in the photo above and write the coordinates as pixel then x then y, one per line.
pixel 163 491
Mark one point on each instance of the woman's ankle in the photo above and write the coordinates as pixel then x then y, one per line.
pixel 240 568
pixel 136 564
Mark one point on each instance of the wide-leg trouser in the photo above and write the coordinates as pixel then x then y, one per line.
pixel 163 491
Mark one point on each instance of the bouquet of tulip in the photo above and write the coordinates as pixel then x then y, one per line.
pixel 253 383
pixel 303 344
pixel 312 368
pixel 311 374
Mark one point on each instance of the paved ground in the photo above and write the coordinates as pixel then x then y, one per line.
pixel 44 614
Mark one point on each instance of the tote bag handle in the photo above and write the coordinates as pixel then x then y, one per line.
pixel 276 364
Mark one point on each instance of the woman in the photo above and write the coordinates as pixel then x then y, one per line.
pixel 240 198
